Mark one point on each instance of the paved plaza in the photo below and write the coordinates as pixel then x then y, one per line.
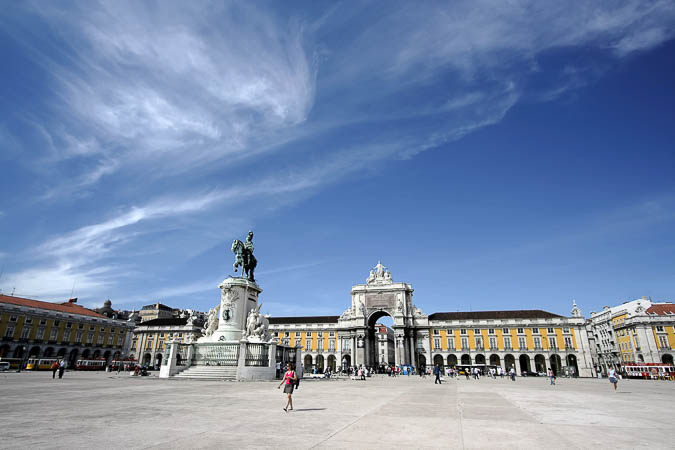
pixel 100 410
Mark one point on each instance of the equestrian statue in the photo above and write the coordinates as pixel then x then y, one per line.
pixel 243 256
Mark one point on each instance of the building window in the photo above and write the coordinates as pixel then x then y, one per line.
pixel 119 340
pixel 91 328
pixel 520 331
pixel 462 331
pixel 12 318
pixel 551 342
pixel 99 339
pixel 479 343
pixel 29 321
pixel 69 324
pixel 568 342
pixel 331 346
pixel 663 341
pixel 331 334
pixel 493 343
pixel 507 343
pixel 80 326
pixel 308 345
pixel 52 334
pixel 491 331
pixel 437 343
pixel 9 332
pixel 43 321
pixel 437 332
pixel 287 334
pixel 25 331
pixel 90 337
pixel 102 330
pixel 566 330
pixel 78 336
pixel 659 328
pixel 40 333
pixel 505 330
pixel 57 323
pixel 451 343
pixel 522 343
pixel 66 336
pixel 550 330
pixel 535 330
pixel 465 343
pixel 537 343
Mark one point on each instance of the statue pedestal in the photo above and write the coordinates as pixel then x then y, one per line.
pixel 238 296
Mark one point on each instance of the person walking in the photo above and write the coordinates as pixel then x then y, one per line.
pixel 288 381
pixel 613 378
pixel 551 376
pixel 62 368
pixel 437 372
pixel 512 372
pixel 55 367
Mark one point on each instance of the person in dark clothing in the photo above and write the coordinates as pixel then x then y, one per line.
pixel 62 368
pixel 55 367
pixel 437 372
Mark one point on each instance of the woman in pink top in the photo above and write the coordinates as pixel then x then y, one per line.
pixel 289 381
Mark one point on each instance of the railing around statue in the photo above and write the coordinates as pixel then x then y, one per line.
pixel 216 354
pixel 257 355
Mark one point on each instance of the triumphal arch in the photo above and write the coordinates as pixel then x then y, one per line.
pixel 382 296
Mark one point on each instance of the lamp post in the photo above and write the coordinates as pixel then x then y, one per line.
pixel 23 357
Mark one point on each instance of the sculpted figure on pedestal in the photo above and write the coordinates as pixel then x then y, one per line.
pixel 211 324
pixel 257 325
pixel 243 256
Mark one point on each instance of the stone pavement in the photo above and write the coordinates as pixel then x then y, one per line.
pixel 99 410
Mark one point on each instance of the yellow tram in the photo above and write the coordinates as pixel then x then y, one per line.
pixel 41 363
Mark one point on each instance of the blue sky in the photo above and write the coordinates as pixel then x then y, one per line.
pixel 496 155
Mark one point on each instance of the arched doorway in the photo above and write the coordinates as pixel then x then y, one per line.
pixel 509 362
pixel 572 364
pixel 106 356
pixel 85 353
pixel 422 362
pixel 379 338
pixel 319 363
pixel 179 359
pixel 61 354
pixel 331 363
pixel 49 351
pixel 97 354
pixel 4 351
pixel 18 352
pixel 346 362
pixel 554 360
pixel 494 360
pixel 524 363
pixel 158 360
pixel 147 359
pixel 466 360
pixel 438 360
pixel 641 358
pixel 452 360
pixel 308 363
pixel 34 352
pixel 480 359
pixel 667 359
pixel 540 363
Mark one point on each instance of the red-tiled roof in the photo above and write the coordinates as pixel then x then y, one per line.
pixel 516 314
pixel 661 309
pixel 67 307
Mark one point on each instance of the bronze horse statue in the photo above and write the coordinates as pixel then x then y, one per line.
pixel 244 257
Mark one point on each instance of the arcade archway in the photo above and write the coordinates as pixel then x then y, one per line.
pixel 555 364
pixel 466 360
pixel 331 363
pixel 509 362
pixel 540 363
pixel 667 359
pixel 452 360
pixel 308 363
pixel 319 363
pixel 379 339
pixel 438 361
pixel 572 364
pixel 494 360
pixel 524 363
